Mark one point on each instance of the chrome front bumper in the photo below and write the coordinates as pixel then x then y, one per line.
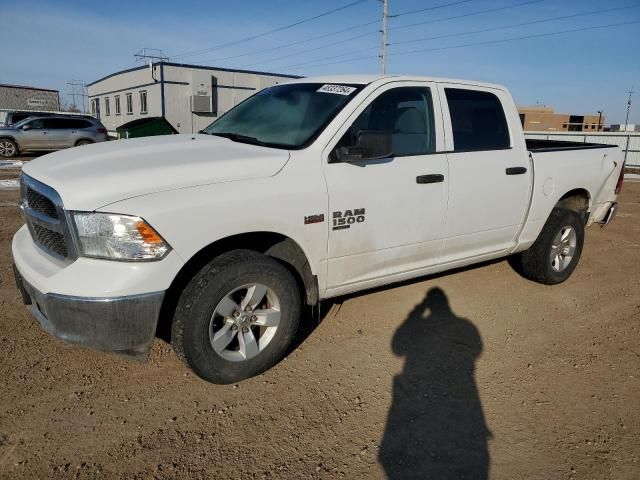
pixel 124 325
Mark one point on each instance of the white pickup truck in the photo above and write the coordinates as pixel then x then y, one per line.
pixel 307 190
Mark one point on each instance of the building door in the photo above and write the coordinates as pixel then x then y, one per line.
pixel 385 220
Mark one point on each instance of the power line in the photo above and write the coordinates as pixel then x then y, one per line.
pixel 493 29
pixel 324 45
pixel 275 30
pixel 458 34
pixel 374 32
pixel 430 8
pixel 489 42
pixel 398 27
pixel 299 42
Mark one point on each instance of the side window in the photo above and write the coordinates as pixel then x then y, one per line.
pixel 406 113
pixel 37 124
pixel 477 119
pixel 57 123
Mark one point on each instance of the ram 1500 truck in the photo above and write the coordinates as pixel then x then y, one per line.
pixel 307 190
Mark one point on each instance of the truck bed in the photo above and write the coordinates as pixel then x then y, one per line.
pixel 540 145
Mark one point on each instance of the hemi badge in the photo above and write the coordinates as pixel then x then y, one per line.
pixel 314 219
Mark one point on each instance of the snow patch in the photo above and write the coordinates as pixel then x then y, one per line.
pixel 10 164
pixel 9 184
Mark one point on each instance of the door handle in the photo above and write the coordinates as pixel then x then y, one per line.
pixel 433 178
pixel 516 170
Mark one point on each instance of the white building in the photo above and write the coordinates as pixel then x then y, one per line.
pixel 189 97
pixel 621 127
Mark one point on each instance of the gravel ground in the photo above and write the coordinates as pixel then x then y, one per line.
pixel 479 370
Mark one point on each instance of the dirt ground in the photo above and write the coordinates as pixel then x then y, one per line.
pixel 479 369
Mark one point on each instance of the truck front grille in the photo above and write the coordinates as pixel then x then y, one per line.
pixel 51 240
pixel 46 218
pixel 41 204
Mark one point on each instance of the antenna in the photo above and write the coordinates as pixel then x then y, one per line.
pixel 151 54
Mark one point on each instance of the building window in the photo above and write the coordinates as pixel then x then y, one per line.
pixel 129 104
pixel 107 106
pixel 143 101
pixel 116 99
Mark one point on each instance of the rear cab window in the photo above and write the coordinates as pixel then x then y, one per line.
pixel 478 121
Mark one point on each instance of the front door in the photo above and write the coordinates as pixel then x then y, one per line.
pixel 387 216
pixel 35 136
pixel 489 172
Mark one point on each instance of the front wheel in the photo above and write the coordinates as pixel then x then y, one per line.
pixel 555 254
pixel 237 317
pixel 8 148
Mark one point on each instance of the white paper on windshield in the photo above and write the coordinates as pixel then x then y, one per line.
pixel 336 89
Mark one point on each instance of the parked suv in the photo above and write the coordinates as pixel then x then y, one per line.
pixel 50 133
pixel 11 117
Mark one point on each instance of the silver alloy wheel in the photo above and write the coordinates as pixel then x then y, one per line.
pixel 563 248
pixel 244 322
pixel 7 148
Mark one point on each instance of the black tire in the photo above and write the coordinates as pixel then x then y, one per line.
pixel 536 264
pixel 8 148
pixel 196 306
pixel 79 143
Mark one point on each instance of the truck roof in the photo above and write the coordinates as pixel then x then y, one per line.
pixel 366 79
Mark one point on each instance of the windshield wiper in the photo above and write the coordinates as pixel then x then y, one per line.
pixel 237 137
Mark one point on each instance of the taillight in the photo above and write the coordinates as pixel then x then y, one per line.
pixel 620 180
pixel 102 130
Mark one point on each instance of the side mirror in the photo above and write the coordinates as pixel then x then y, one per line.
pixel 371 145
pixel 25 128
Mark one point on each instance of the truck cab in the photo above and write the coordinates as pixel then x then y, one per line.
pixel 307 190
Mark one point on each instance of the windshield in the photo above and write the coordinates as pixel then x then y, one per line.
pixel 284 116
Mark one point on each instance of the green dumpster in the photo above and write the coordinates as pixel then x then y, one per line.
pixel 145 127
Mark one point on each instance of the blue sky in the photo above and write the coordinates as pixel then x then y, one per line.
pixel 51 42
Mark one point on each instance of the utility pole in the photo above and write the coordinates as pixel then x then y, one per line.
pixel 77 88
pixel 383 49
pixel 626 122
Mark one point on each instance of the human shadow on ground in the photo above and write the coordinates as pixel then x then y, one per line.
pixel 436 427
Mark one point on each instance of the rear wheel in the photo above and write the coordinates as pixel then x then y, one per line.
pixel 237 317
pixel 8 148
pixel 79 143
pixel 555 254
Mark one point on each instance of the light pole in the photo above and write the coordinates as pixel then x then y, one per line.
pixel 599 120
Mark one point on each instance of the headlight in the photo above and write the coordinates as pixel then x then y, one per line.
pixel 118 237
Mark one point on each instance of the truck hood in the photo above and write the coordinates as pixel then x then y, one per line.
pixel 92 176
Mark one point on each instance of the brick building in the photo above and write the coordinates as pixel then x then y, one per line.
pixel 546 119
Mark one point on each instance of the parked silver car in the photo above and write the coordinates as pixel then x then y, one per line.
pixel 50 133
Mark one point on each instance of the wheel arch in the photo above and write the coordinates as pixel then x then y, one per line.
pixel 578 200
pixel 275 245
pixel 83 140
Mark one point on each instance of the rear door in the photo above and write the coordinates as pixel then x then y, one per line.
pixel 60 132
pixel 489 172
pixel 387 216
